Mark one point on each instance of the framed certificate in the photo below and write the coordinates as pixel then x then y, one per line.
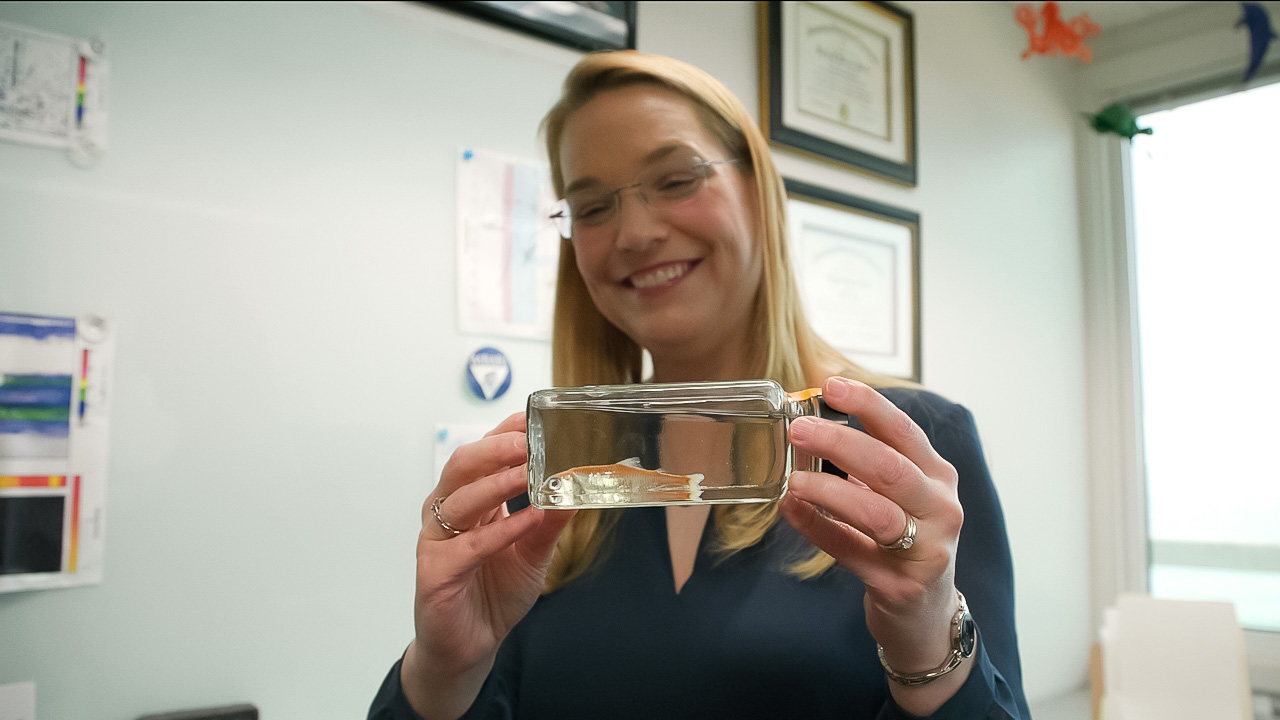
pixel 857 263
pixel 838 82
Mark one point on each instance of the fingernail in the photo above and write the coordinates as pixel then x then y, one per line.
pixel 838 386
pixel 803 428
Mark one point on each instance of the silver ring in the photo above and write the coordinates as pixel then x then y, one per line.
pixel 903 543
pixel 435 511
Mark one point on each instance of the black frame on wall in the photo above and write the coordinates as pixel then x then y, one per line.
pixel 879 213
pixel 584 29
pixel 774 40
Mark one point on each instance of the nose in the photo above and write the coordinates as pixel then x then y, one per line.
pixel 639 223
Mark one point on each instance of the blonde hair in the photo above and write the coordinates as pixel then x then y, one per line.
pixel 587 349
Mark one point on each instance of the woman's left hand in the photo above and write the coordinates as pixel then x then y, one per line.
pixel 894 472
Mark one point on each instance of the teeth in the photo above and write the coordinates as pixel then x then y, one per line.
pixel 659 276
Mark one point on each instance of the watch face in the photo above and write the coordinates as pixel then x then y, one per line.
pixel 968 635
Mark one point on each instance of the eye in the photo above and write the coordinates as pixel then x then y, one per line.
pixel 590 209
pixel 676 182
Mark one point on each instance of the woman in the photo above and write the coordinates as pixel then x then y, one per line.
pixel 846 607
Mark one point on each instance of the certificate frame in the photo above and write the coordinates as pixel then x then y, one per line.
pixel 854 253
pixel 837 83
pixel 577 25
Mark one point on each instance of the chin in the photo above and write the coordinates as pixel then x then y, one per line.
pixel 673 338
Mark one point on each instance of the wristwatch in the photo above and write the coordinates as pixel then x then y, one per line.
pixel 964 639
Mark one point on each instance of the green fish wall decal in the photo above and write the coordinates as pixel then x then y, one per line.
pixel 1119 119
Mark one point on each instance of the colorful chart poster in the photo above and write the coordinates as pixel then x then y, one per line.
pixel 508 247
pixel 54 374
pixel 52 90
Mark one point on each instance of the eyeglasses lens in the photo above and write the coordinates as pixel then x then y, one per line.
pixel 659 187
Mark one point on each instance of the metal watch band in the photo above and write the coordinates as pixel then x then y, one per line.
pixel 959 652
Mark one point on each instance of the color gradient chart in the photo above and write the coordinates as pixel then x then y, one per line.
pixel 41 516
pixel 37 365
pixel 53 449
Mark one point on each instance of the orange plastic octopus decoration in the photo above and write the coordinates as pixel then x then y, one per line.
pixel 1066 38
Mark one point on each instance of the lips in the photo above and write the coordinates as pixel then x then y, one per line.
pixel 660 275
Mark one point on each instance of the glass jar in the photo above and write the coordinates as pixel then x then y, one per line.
pixel 608 446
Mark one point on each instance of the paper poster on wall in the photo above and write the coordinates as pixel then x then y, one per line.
pixel 54 411
pixel 507 246
pixel 52 91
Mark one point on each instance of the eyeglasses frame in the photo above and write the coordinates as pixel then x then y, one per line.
pixel 563 219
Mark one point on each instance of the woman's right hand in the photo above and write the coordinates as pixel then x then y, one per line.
pixel 474 587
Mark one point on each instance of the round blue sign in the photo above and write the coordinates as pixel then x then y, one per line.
pixel 488 373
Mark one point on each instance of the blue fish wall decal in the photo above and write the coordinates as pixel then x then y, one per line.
pixel 1258 21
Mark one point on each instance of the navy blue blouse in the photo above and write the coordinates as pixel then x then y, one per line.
pixel 744 639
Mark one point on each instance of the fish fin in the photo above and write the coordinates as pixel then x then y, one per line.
pixel 631 462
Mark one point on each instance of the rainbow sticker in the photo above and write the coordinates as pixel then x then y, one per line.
pixel 33 481
pixel 84 380
pixel 75 525
pixel 84 63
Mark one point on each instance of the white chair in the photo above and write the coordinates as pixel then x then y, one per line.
pixel 1170 660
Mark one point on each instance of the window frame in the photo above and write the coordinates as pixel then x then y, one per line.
pixel 1117 484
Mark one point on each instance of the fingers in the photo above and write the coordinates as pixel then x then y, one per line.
pixel 514 421
pixel 534 528
pixel 534 531
pixel 877 519
pixel 868 460
pixel 477 502
pixel 851 548
pixel 894 475
pixel 884 421
pixel 485 541
pixel 500 448
pixel 486 456
pixel 894 457
pixel 536 547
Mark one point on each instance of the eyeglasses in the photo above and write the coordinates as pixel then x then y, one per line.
pixel 660 187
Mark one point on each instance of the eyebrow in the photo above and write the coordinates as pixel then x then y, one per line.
pixel 661 153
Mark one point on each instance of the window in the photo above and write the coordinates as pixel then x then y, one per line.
pixel 1205 192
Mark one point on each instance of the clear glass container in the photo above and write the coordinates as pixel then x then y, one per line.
pixel 608 446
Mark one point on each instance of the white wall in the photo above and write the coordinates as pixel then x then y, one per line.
pixel 271 229
pixel 1003 304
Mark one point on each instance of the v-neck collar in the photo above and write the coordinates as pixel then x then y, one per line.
pixel 659 521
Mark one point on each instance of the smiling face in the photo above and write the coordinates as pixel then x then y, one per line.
pixel 679 279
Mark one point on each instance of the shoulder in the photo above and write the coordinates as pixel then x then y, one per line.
pixel 926 407
pixel 948 425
